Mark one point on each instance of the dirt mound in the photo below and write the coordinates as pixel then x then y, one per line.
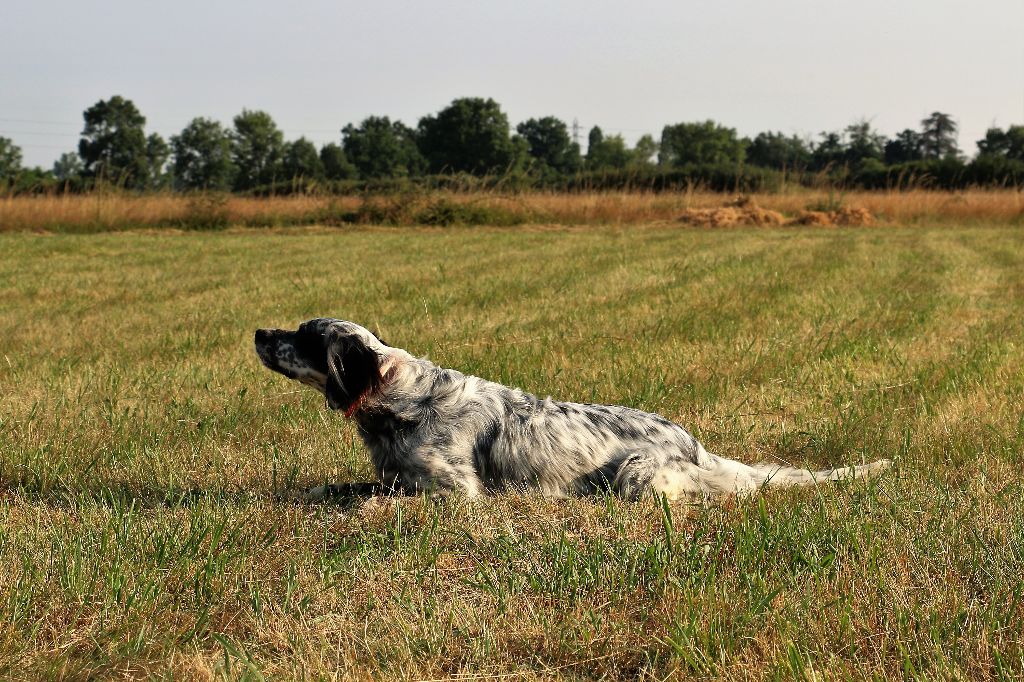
pixel 745 212
pixel 726 216
pixel 854 216
pixel 844 216
pixel 823 218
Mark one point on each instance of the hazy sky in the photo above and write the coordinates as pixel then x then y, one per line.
pixel 630 67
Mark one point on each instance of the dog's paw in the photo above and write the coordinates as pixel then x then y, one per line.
pixel 316 494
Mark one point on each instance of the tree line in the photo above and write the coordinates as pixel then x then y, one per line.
pixel 471 138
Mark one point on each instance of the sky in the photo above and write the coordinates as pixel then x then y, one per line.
pixel 795 66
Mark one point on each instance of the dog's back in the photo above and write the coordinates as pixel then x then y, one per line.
pixel 474 434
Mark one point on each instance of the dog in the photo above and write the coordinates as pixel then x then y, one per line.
pixel 431 429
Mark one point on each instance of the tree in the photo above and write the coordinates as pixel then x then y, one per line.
pixel 829 152
pixel 903 148
pixel 470 135
pixel 10 159
pixel 301 160
pixel 157 153
pixel 202 156
pixel 594 139
pixel 862 143
pixel 113 145
pixel 256 148
pixel 1015 142
pixel 548 143
pixel 336 165
pixel 645 152
pixel 775 150
pixel 995 143
pixel 29 178
pixel 606 152
pixel 1008 143
pixel 380 148
pixel 68 167
pixel 938 136
pixel 702 142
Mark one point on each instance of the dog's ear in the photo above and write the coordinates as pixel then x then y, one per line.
pixel 353 370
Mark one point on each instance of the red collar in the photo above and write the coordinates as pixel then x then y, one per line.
pixel 365 395
pixel 358 403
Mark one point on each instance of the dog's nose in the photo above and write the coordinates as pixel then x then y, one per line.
pixel 262 335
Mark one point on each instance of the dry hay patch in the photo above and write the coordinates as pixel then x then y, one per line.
pixel 845 217
pixel 740 212
pixel 743 211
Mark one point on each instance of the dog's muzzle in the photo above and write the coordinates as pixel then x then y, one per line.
pixel 265 342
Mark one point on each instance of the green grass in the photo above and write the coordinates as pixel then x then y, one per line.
pixel 146 458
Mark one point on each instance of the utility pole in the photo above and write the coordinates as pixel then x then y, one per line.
pixel 576 131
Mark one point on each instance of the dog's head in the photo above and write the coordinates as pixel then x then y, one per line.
pixel 340 359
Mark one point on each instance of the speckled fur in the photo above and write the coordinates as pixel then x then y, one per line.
pixel 434 429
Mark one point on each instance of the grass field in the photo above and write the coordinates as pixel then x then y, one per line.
pixel 146 458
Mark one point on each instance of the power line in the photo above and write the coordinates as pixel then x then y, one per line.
pixel 40 122
pixel 37 133
pixel 46 146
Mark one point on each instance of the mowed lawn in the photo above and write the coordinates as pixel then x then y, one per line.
pixel 148 462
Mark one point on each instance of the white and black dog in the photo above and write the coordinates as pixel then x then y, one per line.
pixel 433 429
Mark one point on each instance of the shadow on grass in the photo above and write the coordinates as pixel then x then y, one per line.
pixel 131 494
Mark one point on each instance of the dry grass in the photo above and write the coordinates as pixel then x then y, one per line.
pixel 143 450
pixel 112 211
pixel 102 212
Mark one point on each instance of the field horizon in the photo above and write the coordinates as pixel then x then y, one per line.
pixel 149 464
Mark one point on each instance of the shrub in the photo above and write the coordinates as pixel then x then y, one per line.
pixel 445 212
pixel 205 212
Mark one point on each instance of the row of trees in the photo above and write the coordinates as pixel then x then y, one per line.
pixel 473 136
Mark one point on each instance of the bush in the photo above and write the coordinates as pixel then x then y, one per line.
pixel 205 212
pixel 996 171
pixel 445 212
pixel 714 177
pixel 418 208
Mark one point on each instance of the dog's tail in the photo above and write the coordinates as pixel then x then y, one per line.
pixel 715 476
pixel 728 476
pixel 778 476
pixel 724 476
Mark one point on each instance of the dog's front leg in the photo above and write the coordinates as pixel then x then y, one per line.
pixel 435 475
